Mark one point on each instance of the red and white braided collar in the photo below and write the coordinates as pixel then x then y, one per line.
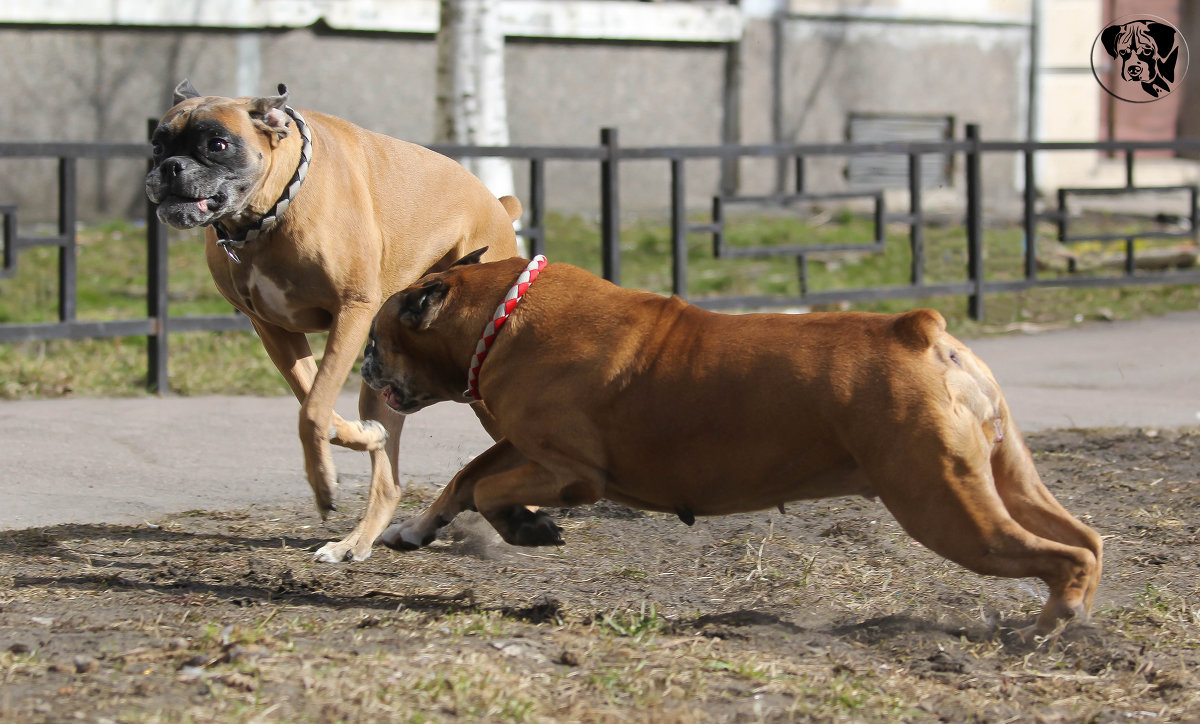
pixel 498 318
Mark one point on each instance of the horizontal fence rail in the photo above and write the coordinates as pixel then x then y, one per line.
pixel 608 155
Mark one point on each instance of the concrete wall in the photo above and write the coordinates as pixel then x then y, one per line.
pixel 840 58
pixel 92 82
pixel 87 84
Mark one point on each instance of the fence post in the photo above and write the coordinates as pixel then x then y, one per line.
pixel 67 257
pixel 974 223
pixel 916 234
pixel 1030 216
pixel 8 265
pixel 156 296
pixel 678 230
pixel 610 213
pixel 537 207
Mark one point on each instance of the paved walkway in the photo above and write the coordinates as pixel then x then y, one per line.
pixel 131 460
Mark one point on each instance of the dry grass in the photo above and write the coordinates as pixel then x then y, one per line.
pixel 828 612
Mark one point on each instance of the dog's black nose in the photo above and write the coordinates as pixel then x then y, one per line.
pixel 172 168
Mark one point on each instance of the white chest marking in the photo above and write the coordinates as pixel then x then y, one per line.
pixel 269 298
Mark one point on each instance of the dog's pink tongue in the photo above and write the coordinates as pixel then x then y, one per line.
pixel 202 204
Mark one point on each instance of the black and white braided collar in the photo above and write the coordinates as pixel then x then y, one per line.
pixel 231 243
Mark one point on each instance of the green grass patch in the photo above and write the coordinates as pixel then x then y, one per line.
pixel 112 280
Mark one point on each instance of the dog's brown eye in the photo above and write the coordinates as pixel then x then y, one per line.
pixel 216 145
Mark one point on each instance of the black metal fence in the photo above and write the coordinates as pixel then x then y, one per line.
pixel 609 155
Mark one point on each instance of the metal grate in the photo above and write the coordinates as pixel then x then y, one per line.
pixel 890 170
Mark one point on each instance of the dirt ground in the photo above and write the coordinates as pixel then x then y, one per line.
pixel 825 612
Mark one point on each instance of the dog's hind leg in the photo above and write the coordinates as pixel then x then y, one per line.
pixel 1032 505
pixel 385 490
pixel 457 496
pixel 941 491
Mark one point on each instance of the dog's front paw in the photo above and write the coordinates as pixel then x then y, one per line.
pixel 322 477
pixel 340 551
pixel 523 527
pixel 364 435
pixel 323 494
pixel 408 536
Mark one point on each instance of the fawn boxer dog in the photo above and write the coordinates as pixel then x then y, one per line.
pixel 311 223
pixel 602 392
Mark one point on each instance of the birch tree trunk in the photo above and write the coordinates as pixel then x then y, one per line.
pixel 471 105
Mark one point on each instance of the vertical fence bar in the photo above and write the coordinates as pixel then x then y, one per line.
pixel 718 226
pixel 156 292
pixel 156 302
pixel 67 258
pixel 974 223
pixel 1061 217
pixel 678 230
pixel 916 224
pixel 801 180
pixel 778 120
pixel 1030 216
pixel 9 240
pixel 1130 263
pixel 610 211
pixel 731 116
pixel 1194 215
pixel 537 206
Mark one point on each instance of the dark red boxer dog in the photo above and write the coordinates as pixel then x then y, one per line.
pixel 602 392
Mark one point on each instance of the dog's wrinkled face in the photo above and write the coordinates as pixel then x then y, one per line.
pixel 210 155
pixel 411 358
pixel 1144 50
pixel 405 358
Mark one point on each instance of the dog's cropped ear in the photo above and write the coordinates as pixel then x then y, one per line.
pixel 1163 37
pixel 268 115
pixel 183 91
pixel 421 304
pixel 1108 39
pixel 1164 40
pixel 472 258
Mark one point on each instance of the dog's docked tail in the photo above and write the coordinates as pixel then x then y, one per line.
pixel 512 205
pixel 920 328
pixel 968 379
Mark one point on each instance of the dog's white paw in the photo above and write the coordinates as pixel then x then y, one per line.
pixel 374 430
pixel 339 551
pixel 407 536
pixel 365 435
